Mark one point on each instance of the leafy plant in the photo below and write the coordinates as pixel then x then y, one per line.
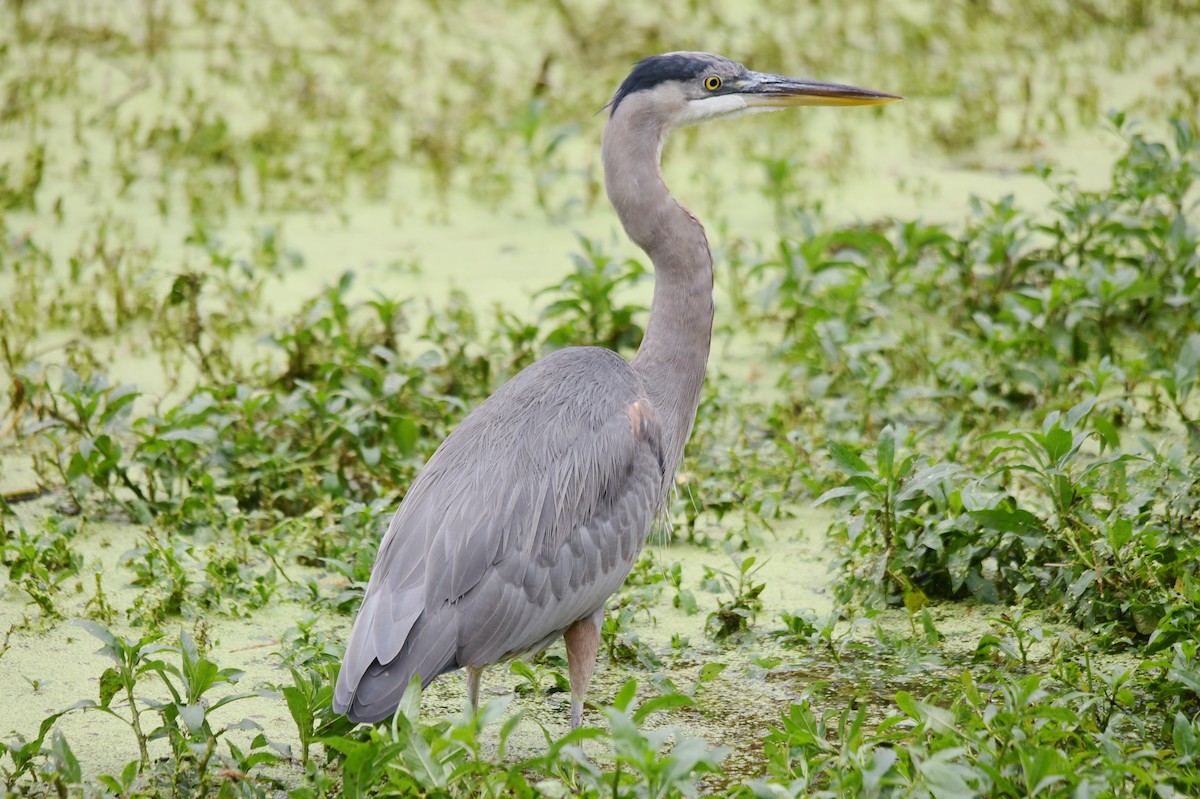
pixel 588 308
pixel 134 660
pixel 734 616
pixel 184 716
pixel 23 754
pixel 900 525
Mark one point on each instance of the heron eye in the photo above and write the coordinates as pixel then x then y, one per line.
pixel 712 83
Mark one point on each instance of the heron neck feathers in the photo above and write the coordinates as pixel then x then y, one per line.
pixel 674 352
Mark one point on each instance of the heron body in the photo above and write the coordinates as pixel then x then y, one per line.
pixel 532 512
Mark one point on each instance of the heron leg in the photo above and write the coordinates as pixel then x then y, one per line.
pixel 583 642
pixel 473 675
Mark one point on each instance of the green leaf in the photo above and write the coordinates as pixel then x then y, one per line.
pixel 982 589
pixel 418 755
pixel 119 398
pixel 365 762
pixel 201 434
pixel 111 784
pixel 78 464
pixel 658 703
pixel 225 700
pixel 906 703
pixel 625 695
pixel 1185 738
pixel 1051 421
pixel 66 765
pixel 946 777
pixel 1057 443
pixel 410 703
pixel 1042 766
pixel 1186 677
pixel 1016 520
pixel 297 704
pixel 507 728
pixel 193 717
pixel 98 630
pixel 840 491
pixel 404 435
pixel 882 760
pixel 710 671
pixel 525 672
pixel 370 456
pixel 110 684
pixel 258 759
pixel 846 458
pixel 932 636
pixel 1109 437
pixel 1078 412
pixel 885 452
pixel 926 478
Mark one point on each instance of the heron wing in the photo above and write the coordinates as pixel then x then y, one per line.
pixel 525 520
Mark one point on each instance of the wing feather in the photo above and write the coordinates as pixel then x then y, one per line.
pixel 526 519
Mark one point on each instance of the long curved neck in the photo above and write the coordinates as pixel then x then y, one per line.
pixel 674 352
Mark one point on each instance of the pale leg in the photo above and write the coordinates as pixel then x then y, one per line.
pixel 583 642
pixel 473 675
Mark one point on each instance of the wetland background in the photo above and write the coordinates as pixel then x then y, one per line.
pixel 936 533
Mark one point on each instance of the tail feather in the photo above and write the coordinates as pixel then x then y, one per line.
pixel 375 695
pixel 384 624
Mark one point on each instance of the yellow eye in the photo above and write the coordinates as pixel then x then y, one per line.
pixel 712 83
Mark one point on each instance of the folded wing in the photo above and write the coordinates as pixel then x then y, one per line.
pixel 526 519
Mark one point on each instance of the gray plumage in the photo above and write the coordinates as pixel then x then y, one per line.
pixel 532 512
pixel 547 493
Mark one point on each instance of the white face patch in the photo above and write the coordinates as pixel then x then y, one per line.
pixel 721 105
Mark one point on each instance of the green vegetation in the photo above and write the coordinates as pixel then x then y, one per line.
pixel 219 376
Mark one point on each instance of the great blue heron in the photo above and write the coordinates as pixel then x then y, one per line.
pixel 531 513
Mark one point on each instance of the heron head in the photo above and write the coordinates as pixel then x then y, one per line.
pixel 686 88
